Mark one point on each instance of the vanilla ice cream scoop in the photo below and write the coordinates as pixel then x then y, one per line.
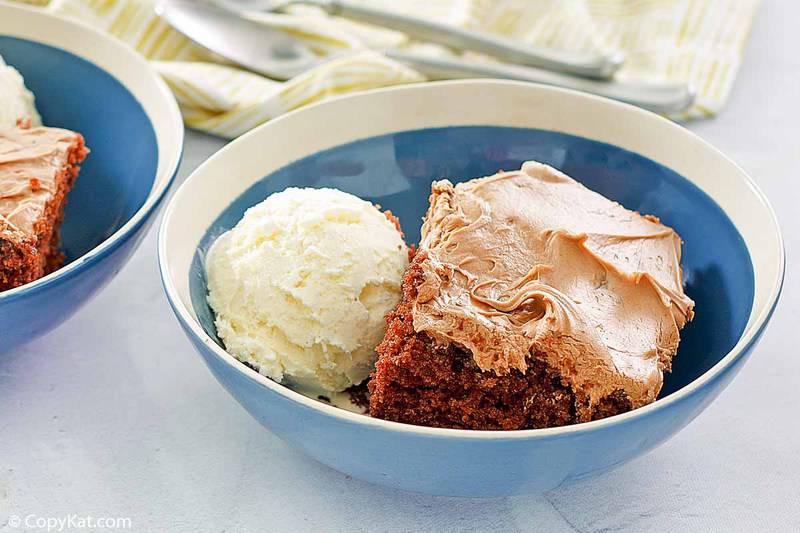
pixel 301 285
pixel 16 101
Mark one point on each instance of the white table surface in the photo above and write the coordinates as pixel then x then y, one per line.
pixel 113 414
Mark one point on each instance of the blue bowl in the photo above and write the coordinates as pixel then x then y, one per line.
pixel 102 89
pixel 733 262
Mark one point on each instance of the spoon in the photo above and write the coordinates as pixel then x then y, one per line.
pixel 275 54
pixel 579 64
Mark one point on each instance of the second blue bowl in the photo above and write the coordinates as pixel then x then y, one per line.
pixel 92 84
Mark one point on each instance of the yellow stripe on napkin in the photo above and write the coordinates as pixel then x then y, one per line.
pixel 228 102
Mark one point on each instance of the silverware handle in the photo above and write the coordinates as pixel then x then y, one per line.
pixel 660 98
pixel 586 65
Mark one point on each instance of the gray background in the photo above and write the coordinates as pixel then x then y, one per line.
pixel 114 414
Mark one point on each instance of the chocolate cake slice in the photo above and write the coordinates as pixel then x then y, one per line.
pixel 38 167
pixel 532 302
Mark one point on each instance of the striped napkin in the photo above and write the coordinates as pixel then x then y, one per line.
pixel 699 41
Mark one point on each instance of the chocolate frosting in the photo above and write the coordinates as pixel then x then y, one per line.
pixel 29 161
pixel 532 262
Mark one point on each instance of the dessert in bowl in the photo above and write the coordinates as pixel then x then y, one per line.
pixel 531 302
pixel 71 217
pixel 732 263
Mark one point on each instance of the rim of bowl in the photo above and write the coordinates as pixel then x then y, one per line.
pixel 750 335
pixel 157 191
